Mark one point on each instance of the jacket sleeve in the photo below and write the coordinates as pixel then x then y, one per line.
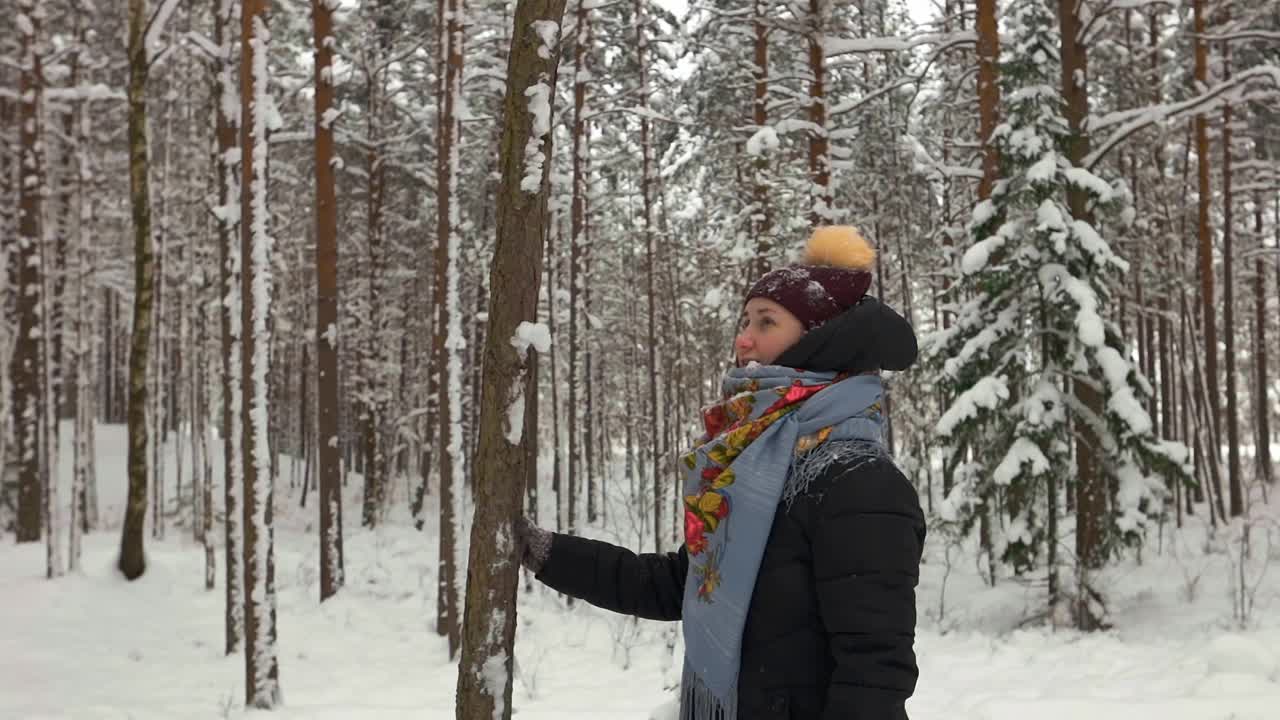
pixel 868 537
pixel 650 586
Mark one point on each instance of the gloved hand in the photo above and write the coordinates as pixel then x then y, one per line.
pixel 534 544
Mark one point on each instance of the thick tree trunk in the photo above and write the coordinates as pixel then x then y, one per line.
pixel 262 671
pixel 819 147
pixel 1092 488
pixel 988 93
pixel 484 678
pixel 25 369
pixel 132 561
pixel 330 465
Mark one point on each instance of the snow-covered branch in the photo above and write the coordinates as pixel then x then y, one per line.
pixel 843 46
pixel 204 45
pixel 1167 111
pixel 155 26
pixel 1264 35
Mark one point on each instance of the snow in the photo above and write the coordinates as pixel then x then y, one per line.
pixel 25 27
pixel 494 676
pixel 90 645
pixel 535 335
pixel 539 95
pixel 155 27
pixel 763 141
pixel 986 394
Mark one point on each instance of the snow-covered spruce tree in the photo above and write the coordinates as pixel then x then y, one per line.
pixel 1034 284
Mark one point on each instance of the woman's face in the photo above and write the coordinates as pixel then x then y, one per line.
pixel 764 332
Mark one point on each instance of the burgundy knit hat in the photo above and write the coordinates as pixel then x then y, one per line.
pixel 833 276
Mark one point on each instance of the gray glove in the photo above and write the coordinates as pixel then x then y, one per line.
pixel 535 544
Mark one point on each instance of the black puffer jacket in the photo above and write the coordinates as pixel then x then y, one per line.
pixel 830 628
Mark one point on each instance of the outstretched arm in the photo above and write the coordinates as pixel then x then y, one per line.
pixel 650 586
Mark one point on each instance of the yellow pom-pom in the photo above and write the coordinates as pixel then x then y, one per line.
pixel 839 246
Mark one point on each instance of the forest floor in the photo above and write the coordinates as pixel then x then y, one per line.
pixel 90 645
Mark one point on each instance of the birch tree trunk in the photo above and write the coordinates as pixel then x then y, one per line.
pixel 484 678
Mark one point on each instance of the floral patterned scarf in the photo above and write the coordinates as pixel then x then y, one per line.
pixel 734 478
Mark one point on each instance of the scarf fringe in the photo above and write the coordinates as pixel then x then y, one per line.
pixel 811 465
pixel 697 702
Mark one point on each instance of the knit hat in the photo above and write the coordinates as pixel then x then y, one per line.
pixel 833 277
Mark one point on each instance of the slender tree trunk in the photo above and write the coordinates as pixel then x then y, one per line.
pixel 229 282
pixel 1234 486
pixel 575 244
pixel 330 465
pixel 448 332
pixel 262 671
pixel 132 561
pixel 1260 401
pixel 1205 271
pixel 484 678
pixel 762 210
pixel 646 194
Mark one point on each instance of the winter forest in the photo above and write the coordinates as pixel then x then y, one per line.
pixel 306 303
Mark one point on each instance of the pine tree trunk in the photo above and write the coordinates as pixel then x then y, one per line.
pixel 1092 488
pixel 1260 400
pixel 575 245
pixel 262 671
pixel 988 93
pixel 229 285
pixel 646 194
pixel 762 211
pixel 132 562
pixel 819 146
pixel 448 329
pixel 24 368
pixel 484 678
pixel 1204 232
pixel 1234 487
pixel 330 464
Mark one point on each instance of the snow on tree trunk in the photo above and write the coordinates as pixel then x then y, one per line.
pixel 25 366
pixel 262 672
pixel 228 217
pixel 447 341
pixel 132 560
pixel 484 679
pixel 330 460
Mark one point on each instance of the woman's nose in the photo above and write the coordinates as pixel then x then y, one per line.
pixel 743 341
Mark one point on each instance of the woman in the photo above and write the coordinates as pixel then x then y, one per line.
pixel 796 581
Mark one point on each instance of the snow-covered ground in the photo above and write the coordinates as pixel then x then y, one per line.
pixel 94 646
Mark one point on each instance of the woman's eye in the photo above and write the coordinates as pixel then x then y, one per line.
pixel 767 322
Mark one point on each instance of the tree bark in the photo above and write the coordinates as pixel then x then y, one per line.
pixel 575 247
pixel 762 212
pixel 132 561
pixel 1235 490
pixel 262 671
pixel 988 93
pixel 25 368
pixel 1204 232
pixel 448 331
pixel 1260 401
pixel 1092 489
pixel 229 283
pixel 330 465
pixel 484 679
pixel 819 145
